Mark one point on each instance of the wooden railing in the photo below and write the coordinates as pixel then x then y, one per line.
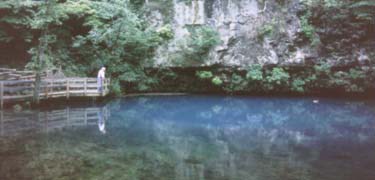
pixel 17 123
pixel 13 74
pixel 51 88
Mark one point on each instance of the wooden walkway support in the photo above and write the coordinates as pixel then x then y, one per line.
pixel 22 90
pixel 47 121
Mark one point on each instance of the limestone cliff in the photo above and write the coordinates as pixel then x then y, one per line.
pixel 253 31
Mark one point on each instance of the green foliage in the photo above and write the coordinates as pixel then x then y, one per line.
pixel 298 85
pixel 147 83
pixel 356 74
pixel 307 29
pixel 58 12
pixel 351 81
pixel 166 32
pixel 42 26
pixel 278 76
pixel 82 35
pixel 165 7
pixel 204 74
pixel 265 30
pixel 202 39
pixel 121 41
pixel 137 4
pixel 217 81
pixel 254 73
pixel 236 79
pixel 339 79
pixel 198 44
pixel 115 87
pixel 321 72
pixel 322 69
pixel 332 3
pixel 236 83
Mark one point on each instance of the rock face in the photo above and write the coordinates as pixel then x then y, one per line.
pixel 251 31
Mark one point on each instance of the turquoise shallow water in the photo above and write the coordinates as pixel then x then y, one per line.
pixel 193 138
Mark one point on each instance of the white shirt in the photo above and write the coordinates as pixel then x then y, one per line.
pixel 101 74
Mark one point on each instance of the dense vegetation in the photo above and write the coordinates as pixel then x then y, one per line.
pixel 318 79
pixel 81 35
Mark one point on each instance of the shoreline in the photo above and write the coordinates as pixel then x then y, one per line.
pixel 79 101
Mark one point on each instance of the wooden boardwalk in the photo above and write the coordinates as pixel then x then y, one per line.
pixel 23 90
pixel 13 74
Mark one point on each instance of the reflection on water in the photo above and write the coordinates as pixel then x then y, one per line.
pixel 192 138
pixel 50 120
pixel 101 121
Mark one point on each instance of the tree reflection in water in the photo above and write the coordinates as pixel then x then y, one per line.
pixel 200 137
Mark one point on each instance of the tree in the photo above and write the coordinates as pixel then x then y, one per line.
pixel 119 39
pixel 42 19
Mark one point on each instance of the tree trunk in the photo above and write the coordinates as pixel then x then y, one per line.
pixel 42 47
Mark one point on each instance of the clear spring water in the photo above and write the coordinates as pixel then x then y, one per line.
pixel 193 138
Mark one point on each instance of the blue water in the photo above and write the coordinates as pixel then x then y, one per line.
pixel 193 138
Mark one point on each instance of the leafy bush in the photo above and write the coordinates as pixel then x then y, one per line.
pixel 236 83
pixel 254 73
pixel 351 81
pixel 307 29
pixel 199 44
pixel 204 74
pixel 322 69
pixel 278 76
pixel 166 32
pixel 298 85
pixel 217 81
pixel 115 87
pixel 121 41
pixel 81 36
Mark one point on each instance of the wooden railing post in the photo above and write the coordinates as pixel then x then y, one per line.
pixel 2 122
pixel 106 86
pixel 85 86
pixel 85 116
pixel 45 87
pixel 45 121
pixel 1 95
pixel 67 88
pixel 68 116
pixel 51 93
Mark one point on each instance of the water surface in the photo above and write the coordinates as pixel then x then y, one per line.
pixel 193 138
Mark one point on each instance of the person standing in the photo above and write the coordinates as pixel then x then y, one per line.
pixel 101 78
